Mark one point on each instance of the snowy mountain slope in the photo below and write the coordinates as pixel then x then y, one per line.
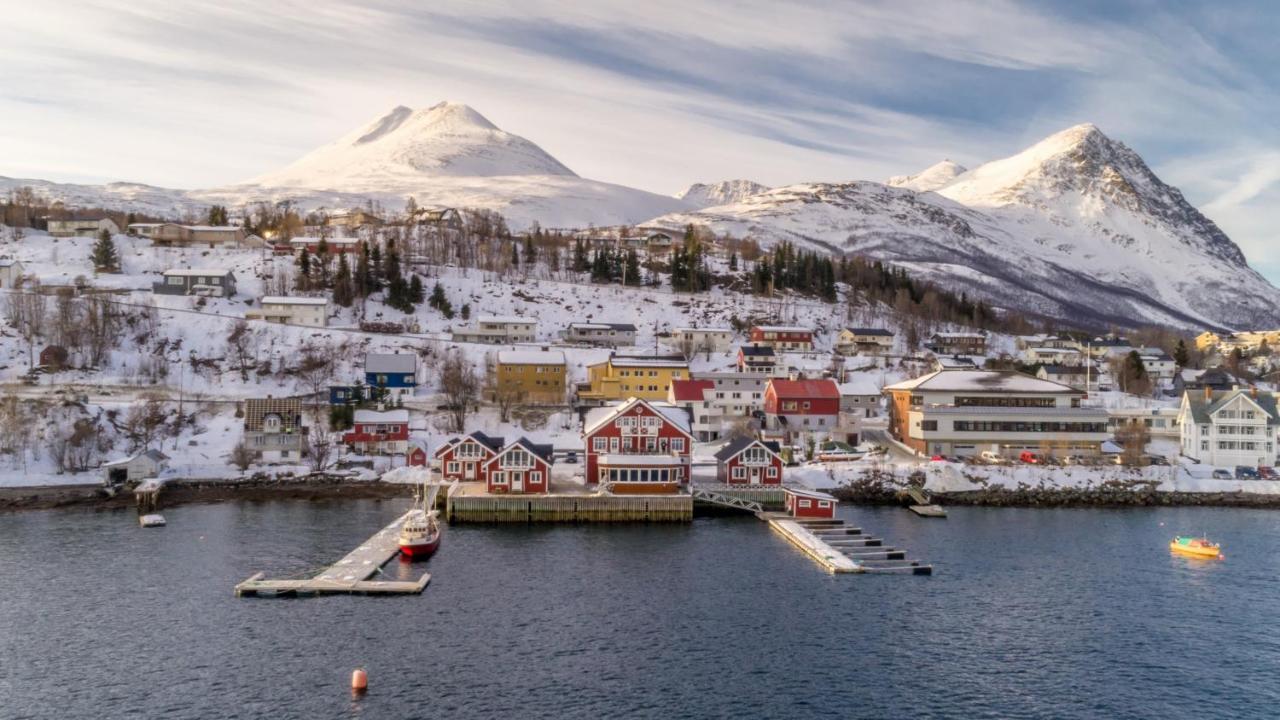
pixel 1076 227
pixel 447 155
pixel 447 139
pixel 704 195
pixel 931 178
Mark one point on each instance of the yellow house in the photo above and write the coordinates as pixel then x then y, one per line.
pixel 625 376
pixel 531 376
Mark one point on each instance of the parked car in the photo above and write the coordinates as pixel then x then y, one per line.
pixel 1157 460
pixel 1220 474
pixel 1029 457
pixel 571 458
pixel 1266 472
pixel 1244 472
pixel 992 458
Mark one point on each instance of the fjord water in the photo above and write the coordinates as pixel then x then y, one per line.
pixel 1032 613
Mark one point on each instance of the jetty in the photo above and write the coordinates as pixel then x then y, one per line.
pixel 921 504
pixel 351 575
pixel 840 548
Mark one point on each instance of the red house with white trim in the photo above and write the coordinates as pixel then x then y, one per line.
pixel 748 461
pixel 782 337
pixel 417 455
pixel 638 447
pixel 802 405
pixel 463 459
pixel 804 503
pixel 521 467
pixel 379 432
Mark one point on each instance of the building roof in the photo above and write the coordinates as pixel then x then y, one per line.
pixel 598 417
pixel 543 451
pixel 783 328
pixel 507 319
pixel 756 350
pixel 879 332
pixel 982 381
pixel 289 410
pixel 807 493
pixel 1066 369
pixel 197 272
pixel 958 335
pixel 531 357
pixel 624 327
pixel 1203 408
pixel 672 361
pixel 215 228
pixel 284 300
pixel 381 416
pixel 704 330
pixel 859 385
pixel 8 262
pixel 390 363
pixel 740 443
pixel 690 390
pixel 489 441
pixel 810 389
pixel 956 362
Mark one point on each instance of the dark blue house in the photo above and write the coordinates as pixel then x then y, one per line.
pixel 348 394
pixel 396 373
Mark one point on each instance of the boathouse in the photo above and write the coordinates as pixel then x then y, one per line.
pixel 804 503
pixel 521 467
pixel 463 459
pixel 748 461
pixel 638 447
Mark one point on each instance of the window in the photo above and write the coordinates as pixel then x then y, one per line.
pixel 804 503
pixel 677 444
pixel 613 444
pixel 739 472
pixel 535 477
pixel 772 472
pixel 499 478
pixel 599 444
pixel 174 280
pixel 453 467
pixel 929 425
pixel 824 503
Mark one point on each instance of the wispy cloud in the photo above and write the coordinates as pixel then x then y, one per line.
pixel 655 94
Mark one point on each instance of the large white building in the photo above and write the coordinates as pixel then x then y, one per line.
pixel 967 412
pixel 1229 427
pixel 498 330
pixel 718 401
pixel 313 312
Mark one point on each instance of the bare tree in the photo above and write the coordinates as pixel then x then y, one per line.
pixel 143 423
pixel 460 386
pixel 1133 437
pixel 102 328
pixel 15 427
pixel 319 447
pixel 242 346
pixel 241 456
pixel 314 371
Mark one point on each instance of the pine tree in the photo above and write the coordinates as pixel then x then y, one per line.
pixel 105 257
pixel 515 255
pixel 530 251
pixel 304 271
pixel 1180 354
pixel 733 262
pixel 631 272
pixel 416 293
pixel 375 268
pixel 437 299
pixel 361 279
pixel 343 293
pixel 580 261
pixel 466 311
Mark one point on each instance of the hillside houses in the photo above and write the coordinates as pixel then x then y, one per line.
pixel 90 228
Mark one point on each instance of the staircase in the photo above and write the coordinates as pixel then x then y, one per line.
pixel 870 553
pixel 723 500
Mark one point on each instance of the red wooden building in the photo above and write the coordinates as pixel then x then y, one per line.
pixel 638 447
pixel 417 455
pixel 463 458
pixel 802 405
pixel 379 432
pixel 782 337
pixel 748 461
pixel 802 503
pixel 521 467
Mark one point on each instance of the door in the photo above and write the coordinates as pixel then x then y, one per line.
pixel 517 482
pixel 755 476
pixel 469 471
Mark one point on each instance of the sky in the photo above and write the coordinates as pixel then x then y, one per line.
pixel 655 94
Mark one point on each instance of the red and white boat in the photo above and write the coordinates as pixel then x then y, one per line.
pixel 420 534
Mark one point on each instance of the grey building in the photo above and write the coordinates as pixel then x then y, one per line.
pixel 196 281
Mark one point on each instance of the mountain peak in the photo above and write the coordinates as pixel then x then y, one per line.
pixel 448 139
pixel 725 192
pixel 931 178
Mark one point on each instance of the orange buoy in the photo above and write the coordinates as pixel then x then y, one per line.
pixel 359 681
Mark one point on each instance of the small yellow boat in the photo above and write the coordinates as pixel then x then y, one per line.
pixel 1196 547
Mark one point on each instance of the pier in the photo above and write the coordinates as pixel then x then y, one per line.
pixel 922 505
pixel 469 503
pixel 350 575
pixel 839 548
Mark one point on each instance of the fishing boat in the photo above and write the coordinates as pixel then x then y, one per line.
pixel 420 534
pixel 1196 547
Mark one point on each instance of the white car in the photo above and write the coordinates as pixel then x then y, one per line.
pixel 993 458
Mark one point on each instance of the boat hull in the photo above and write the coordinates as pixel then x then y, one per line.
pixel 1207 553
pixel 420 550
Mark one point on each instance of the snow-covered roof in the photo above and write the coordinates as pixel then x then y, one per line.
pixel 982 381
pixel 704 330
pixel 197 272
pixel 215 228
pixel 783 328
pixel 958 335
pixel 807 493
pixel 597 417
pixel 390 363
pixel 531 357
pixel 859 385
pixel 381 416
pixel 645 361
pixel 8 262
pixel 285 300
pixel 507 319
pixel 878 332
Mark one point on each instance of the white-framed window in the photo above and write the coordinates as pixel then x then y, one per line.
pixel 499 478
pixel 677 444
pixel 535 477
pixel 739 472
pixel 804 503
pixel 773 471
pixel 613 444
pixel 824 503
pixel 599 444
pixel 174 280
pixel 453 467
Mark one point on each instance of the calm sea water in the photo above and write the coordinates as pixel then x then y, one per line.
pixel 1032 614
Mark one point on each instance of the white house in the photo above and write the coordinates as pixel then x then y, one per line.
pixel 1229 427
pixel 702 339
pixel 498 330
pixel 860 397
pixel 82 228
pixel 718 401
pixel 313 312
pixel 1158 363
pixel 135 468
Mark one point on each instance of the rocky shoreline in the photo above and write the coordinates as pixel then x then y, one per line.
pixel 183 492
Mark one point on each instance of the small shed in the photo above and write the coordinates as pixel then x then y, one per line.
pixel 146 464
pixel 417 455
pixel 805 503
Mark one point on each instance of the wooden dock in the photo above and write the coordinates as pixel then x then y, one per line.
pixel 485 508
pixel 840 548
pixel 922 505
pixel 350 575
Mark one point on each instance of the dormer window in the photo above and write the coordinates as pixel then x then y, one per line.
pixel 271 422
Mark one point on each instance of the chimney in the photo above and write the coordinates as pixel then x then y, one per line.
pixel 1208 393
pixel 1253 391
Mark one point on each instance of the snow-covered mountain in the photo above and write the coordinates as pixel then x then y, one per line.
pixel 447 155
pixel 931 178
pixel 704 195
pixel 1075 227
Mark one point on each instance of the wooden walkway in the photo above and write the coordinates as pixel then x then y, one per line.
pixel 840 548
pixel 921 504
pixel 350 575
